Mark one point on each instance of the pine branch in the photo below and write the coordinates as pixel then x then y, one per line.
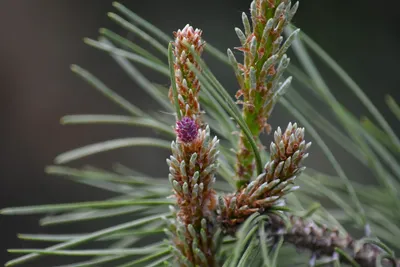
pixel 194 158
pixel 260 74
pixel 322 242
pixel 202 218
pixel 287 153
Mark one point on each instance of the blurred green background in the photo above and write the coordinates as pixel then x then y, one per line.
pixel 41 38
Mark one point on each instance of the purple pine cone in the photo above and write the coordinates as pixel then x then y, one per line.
pixel 186 129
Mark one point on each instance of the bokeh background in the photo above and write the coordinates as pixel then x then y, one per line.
pixel 39 39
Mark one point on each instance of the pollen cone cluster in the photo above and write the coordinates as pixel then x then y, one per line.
pixel 192 165
pixel 287 153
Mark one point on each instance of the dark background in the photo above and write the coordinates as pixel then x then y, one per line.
pixel 41 38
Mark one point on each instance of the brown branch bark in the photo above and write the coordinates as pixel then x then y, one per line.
pixel 320 241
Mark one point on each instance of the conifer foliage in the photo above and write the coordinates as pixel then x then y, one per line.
pixel 228 201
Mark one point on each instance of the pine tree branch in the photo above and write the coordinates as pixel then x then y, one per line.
pixel 259 76
pixel 193 162
pixel 323 242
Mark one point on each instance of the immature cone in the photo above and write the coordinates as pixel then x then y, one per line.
pixel 186 130
pixel 287 153
pixel 188 85
pixel 260 74
pixel 193 163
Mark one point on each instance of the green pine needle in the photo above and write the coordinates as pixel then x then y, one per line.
pixel 110 145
